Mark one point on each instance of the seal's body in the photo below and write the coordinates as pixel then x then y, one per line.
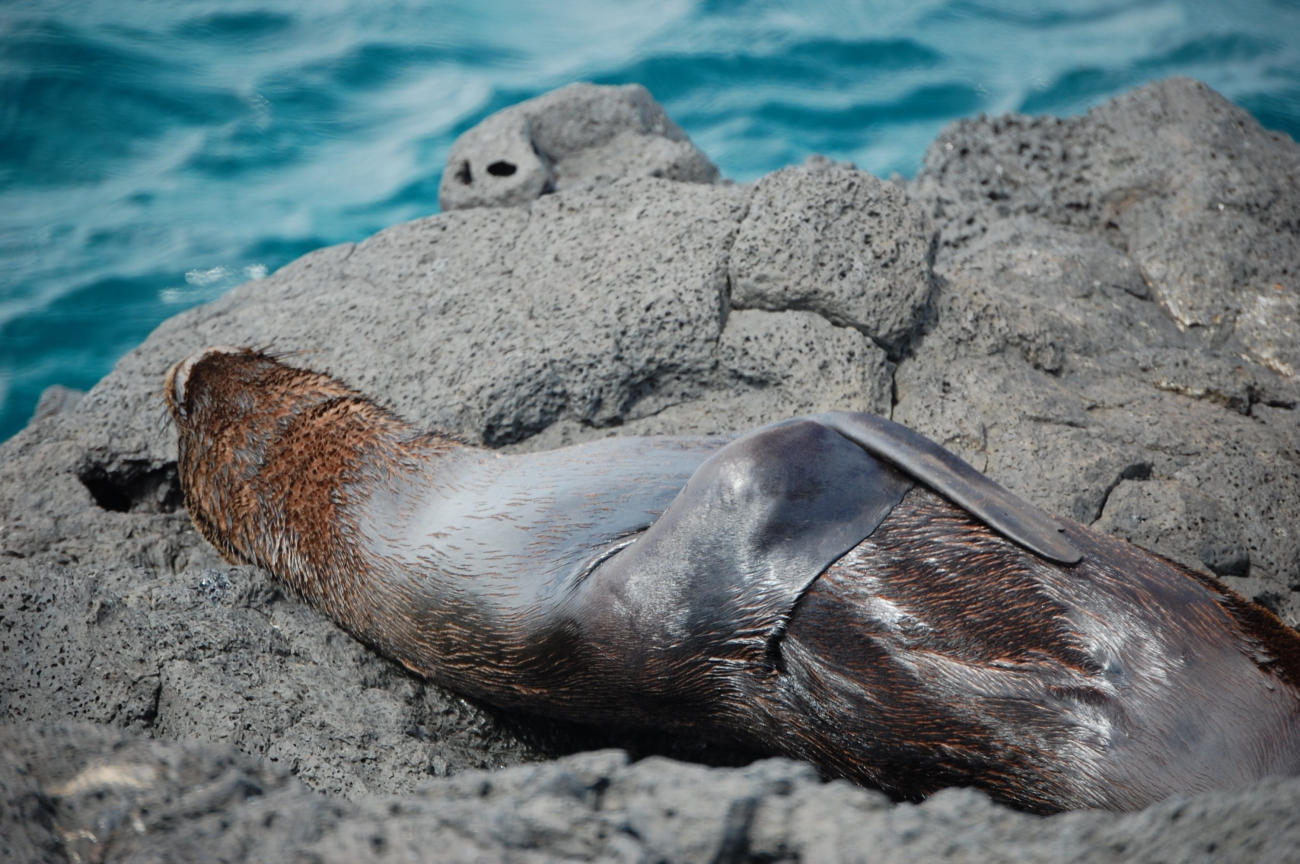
pixel 834 588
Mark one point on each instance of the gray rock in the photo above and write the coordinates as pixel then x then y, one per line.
pixel 839 243
pixel 56 398
pixel 1181 523
pixel 105 795
pixel 90 793
pixel 1020 425
pixel 465 321
pixel 219 654
pixel 577 137
pixel 769 364
pixel 1205 201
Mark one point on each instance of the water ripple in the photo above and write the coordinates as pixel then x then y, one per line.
pixel 154 153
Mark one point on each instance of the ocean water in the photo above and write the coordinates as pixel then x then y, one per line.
pixel 155 153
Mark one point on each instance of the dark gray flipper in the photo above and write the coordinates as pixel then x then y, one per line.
pixel 717 575
pixel 1000 509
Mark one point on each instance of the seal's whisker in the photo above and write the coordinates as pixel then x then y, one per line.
pixel 163 421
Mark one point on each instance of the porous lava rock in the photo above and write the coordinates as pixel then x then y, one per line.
pixel 1099 312
pixel 109 795
pixel 577 137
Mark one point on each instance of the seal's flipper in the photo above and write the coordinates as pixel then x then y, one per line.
pixel 1002 510
pixel 719 573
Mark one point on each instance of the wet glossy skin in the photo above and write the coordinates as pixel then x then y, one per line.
pixel 797 588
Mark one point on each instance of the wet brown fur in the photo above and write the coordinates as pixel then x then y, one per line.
pixel 974 598
pixel 269 456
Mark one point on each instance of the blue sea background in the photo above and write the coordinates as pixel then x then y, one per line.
pixel 155 153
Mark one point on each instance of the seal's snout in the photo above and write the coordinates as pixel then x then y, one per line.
pixel 175 386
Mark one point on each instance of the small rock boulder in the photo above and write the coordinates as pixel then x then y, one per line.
pixel 840 243
pixel 578 137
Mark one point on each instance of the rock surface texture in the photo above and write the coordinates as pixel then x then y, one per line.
pixel 1102 313
pixel 576 137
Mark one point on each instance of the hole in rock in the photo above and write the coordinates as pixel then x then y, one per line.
pixel 134 487
pixel 502 169
pixel 464 175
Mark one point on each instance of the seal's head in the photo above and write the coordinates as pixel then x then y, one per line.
pixel 176 384
pixel 241 386
pixel 270 457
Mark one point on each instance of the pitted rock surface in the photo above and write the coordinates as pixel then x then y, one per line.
pixel 577 137
pixel 1205 201
pixel 854 249
pixel 1086 326
pixel 107 795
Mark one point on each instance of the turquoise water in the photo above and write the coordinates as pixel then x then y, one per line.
pixel 154 154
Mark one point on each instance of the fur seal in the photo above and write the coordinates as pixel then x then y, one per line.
pixel 835 588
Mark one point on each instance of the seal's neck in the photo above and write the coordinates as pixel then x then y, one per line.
pixel 280 490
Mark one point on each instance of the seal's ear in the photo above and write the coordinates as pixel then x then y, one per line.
pixel 1002 510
